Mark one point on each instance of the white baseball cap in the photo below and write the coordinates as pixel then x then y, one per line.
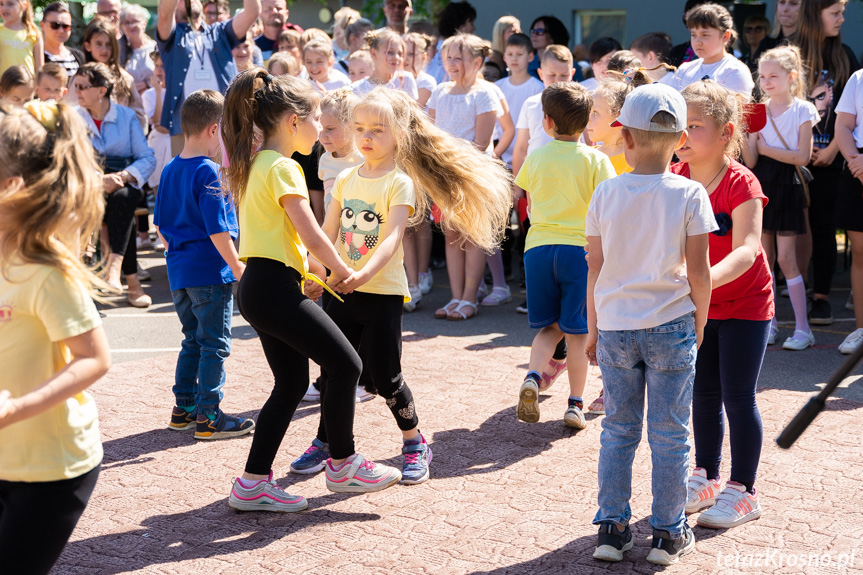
pixel 642 104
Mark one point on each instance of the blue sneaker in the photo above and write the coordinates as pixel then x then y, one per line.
pixel 313 460
pixel 418 456
pixel 222 426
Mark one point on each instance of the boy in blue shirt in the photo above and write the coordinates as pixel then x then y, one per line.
pixel 198 225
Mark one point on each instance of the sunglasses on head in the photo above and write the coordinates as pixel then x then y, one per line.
pixel 538 31
pixel 58 25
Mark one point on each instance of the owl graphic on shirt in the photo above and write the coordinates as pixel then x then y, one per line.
pixel 360 228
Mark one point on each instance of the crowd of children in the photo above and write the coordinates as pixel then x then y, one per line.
pixel 337 162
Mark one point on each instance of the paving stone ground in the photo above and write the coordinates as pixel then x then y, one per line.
pixel 504 498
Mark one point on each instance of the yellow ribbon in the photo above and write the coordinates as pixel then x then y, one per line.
pixel 46 113
pixel 323 284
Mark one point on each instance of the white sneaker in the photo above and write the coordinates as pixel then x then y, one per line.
pixel 313 394
pixel 142 244
pixel 416 297
pixel 159 246
pixel 264 496
pixel 734 506
pixel 360 476
pixel 799 341
pixel 852 342
pixel 363 395
pixel 700 491
pixel 849 305
pixel 426 282
pixel 774 331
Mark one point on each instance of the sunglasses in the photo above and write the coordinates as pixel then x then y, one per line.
pixel 749 29
pixel 81 88
pixel 58 26
pixel 538 31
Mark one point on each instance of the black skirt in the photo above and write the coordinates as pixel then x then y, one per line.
pixel 785 210
pixel 849 203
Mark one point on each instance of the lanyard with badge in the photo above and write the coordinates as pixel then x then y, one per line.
pixel 203 73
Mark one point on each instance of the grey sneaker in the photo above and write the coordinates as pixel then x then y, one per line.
pixel 528 401
pixel 666 550
pixel 611 543
pixel 357 475
pixel 574 417
pixel 418 456
pixel 264 496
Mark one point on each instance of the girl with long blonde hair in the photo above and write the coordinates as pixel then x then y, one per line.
pixel 21 40
pixel 52 345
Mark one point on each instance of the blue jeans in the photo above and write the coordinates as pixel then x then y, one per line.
pixel 205 313
pixel 661 360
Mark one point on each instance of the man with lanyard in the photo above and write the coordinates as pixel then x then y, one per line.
pixel 397 13
pixel 274 16
pixel 196 56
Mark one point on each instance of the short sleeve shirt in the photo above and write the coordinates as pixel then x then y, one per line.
pixel 851 102
pixel 729 72
pixel 560 179
pixel 530 119
pixel 39 308
pixel 365 204
pixel 16 48
pixel 788 123
pixel 456 114
pixel 266 231
pixel 750 296
pixel 403 81
pixel 643 222
pixel 190 207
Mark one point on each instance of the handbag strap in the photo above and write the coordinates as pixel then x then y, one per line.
pixel 781 139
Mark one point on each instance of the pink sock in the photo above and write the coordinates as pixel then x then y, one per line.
pixel 797 293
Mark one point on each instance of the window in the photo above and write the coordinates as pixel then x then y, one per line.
pixel 590 25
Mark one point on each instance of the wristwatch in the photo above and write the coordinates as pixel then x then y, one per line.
pixel 126 176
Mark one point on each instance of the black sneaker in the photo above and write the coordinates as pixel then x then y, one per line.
pixel 821 313
pixel 182 419
pixel 522 307
pixel 666 550
pixel 612 543
pixel 222 426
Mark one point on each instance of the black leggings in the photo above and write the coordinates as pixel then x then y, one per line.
pixel 823 192
pixel 37 519
pixel 294 329
pixel 373 324
pixel 726 373
pixel 120 219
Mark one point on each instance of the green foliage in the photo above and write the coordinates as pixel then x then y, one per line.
pixel 423 9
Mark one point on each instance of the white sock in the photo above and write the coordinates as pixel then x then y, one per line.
pixel 797 293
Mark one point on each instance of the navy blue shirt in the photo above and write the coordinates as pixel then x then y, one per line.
pixel 190 207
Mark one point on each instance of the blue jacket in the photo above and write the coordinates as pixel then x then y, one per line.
pixel 121 137
pixel 177 52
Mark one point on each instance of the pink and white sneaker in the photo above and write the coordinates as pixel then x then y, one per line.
pixel 357 475
pixel 551 372
pixel 733 507
pixel 701 492
pixel 247 495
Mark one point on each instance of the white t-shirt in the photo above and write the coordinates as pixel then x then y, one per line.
pixel 515 97
pixel 590 84
pixel 403 81
pixel 644 221
pixel 200 75
pixel 456 113
pixel 530 119
pixel 730 72
pixel 337 80
pixel 427 81
pixel 851 102
pixel 788 123
pixel 158 141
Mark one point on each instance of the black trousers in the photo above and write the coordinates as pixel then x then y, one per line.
pixel 293 330
pixel 823 192
pixel 120 219
pixel 373 325
pixel 37 519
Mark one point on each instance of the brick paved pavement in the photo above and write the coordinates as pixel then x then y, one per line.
pixel 505 497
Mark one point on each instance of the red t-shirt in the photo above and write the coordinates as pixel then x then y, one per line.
pixel 751 295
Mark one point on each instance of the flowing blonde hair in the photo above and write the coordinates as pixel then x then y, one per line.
pixel 58 200
pixel 471 189
pixel 257 99
pixel 28 19
pixel 789 59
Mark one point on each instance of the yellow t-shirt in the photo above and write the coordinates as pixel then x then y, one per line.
pixel 266 231
pixel 365 204
pixel 560 178
pixel 16 48
pixel 39 308
pixel 620 165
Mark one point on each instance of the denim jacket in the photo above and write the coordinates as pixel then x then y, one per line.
pixel 121 137
pixel 177 53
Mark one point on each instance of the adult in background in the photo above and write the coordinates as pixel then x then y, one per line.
pixel 56 29
pixel 274 17
pixel 786 22
pixel 133 22
pixel 356 34
pixel 216 11
pixel 455 18
pixel 545 31
pixel 754 31
pixel 397 13
pixel 830 64
pixel 196 56
pixel 505 27
pixel 683 53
